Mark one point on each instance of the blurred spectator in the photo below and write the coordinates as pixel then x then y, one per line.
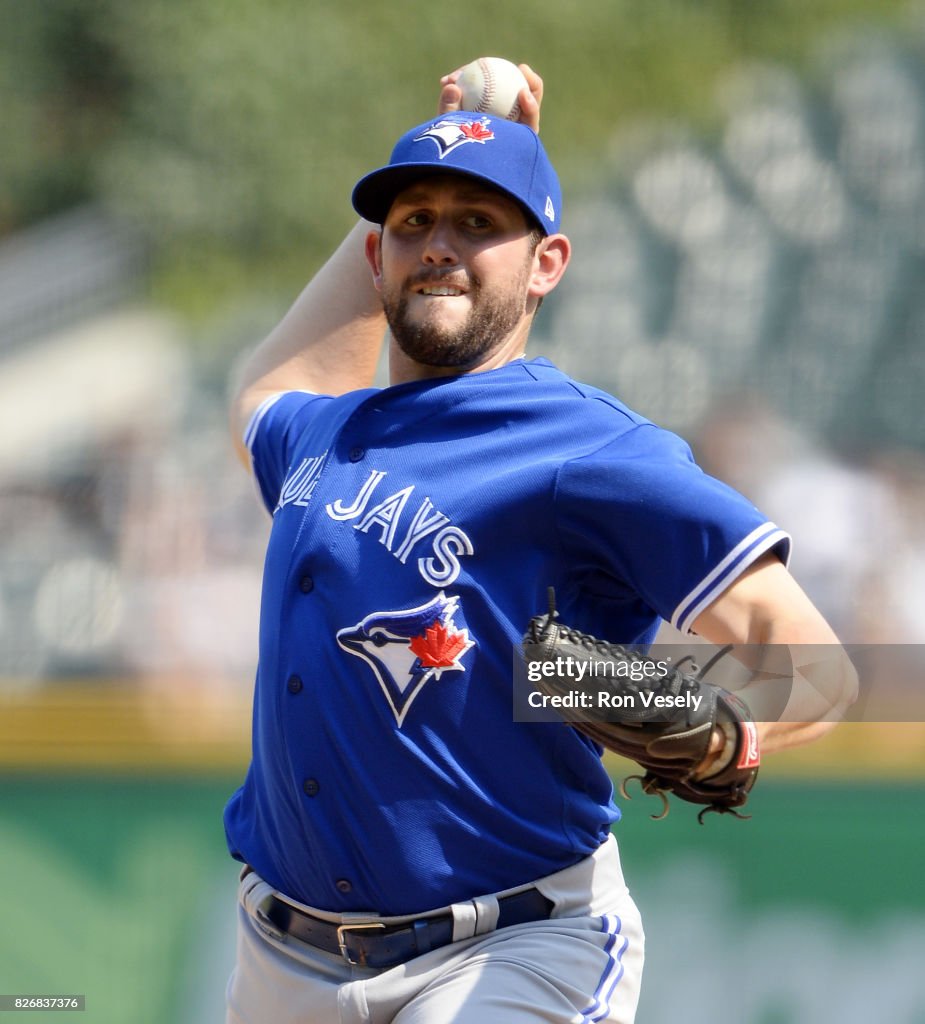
pixel 190 540
pixel 895 602
pixel 842 517
pixel 142 561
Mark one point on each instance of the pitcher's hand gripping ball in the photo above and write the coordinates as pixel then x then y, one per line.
pixel 655 721
pixel 491 85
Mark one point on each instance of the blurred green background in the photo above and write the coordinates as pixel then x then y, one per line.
pixel 231 134
pixel 745 188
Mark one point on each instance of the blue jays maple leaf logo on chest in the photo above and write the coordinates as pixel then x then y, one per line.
pixel 406 648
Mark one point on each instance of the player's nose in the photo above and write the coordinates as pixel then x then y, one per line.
pixel 440 248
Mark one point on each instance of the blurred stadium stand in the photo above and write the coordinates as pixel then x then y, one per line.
pixel 787 256
pixel 63 270
pixel 760 291
pixel 121 528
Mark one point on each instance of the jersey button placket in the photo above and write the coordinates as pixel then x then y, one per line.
pixel 294 684
pixel 356 454
pixel 306 584
pixel 311 787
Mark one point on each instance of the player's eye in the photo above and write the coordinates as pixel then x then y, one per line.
pixel 478 221
pixel 417 220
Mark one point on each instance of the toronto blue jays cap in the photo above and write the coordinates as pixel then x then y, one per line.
pixel 505 154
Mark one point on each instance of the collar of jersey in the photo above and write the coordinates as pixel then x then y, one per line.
pixel 419 400
pixel 466 380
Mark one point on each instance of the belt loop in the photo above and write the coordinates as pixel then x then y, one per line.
pixel 422 936
pixel 464 920
pixel 486 914
pixel 251 881
pixel 257 897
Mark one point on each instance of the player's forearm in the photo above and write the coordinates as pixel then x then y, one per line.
pixel 804 684
pixel 329 341
pixel 822 687
pixel 798 693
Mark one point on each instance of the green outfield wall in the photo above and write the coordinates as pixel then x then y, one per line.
pixel 812 912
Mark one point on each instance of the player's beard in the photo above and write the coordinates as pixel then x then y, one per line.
pixel 429 342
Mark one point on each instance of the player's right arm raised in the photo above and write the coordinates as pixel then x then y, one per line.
pixel 328 342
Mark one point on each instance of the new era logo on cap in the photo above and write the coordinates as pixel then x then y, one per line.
pixel 505 154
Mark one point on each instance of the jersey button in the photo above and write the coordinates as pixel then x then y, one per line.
pixel 306 584
pixel 344 885
pixel 311 787
pixel 294 685
pixel 356 454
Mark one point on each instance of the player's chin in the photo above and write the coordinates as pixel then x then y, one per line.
pixel 446 350
pixel 443 316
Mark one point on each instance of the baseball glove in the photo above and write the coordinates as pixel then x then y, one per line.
pixel 662 718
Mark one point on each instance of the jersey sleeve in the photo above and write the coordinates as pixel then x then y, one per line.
pixel 271 434
pixel 642 510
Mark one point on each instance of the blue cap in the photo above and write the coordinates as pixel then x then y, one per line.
pixel 505 154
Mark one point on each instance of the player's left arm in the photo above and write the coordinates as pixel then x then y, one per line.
pixel 766 605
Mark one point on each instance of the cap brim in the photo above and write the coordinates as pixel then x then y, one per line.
pixel 373 195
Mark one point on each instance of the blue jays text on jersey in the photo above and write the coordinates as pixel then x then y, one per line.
pixel 384 517
pixel 415 531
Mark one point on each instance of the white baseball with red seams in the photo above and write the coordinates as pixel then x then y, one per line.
pixel 491 85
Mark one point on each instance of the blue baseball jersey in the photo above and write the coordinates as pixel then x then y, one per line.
pixel 415 532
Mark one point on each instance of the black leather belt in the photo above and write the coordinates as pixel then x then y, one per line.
pixel 373 944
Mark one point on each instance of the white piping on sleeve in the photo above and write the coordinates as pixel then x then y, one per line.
pixel 250 431
pixel 760 540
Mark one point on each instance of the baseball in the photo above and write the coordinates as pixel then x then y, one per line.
pixel 491 85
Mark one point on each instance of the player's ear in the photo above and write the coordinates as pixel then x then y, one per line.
pixel 549 263
pixel 374 256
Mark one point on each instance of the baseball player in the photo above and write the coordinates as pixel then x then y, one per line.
pixel 411 853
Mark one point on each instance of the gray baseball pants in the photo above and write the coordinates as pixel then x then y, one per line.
pixel 583 964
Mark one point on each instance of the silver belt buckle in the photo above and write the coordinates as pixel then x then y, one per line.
pixel 353 926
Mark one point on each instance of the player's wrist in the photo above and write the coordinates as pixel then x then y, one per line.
pixel 719 753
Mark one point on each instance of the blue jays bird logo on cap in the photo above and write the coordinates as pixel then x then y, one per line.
pixel 407 648
pixel 505 155
pixel 448 135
